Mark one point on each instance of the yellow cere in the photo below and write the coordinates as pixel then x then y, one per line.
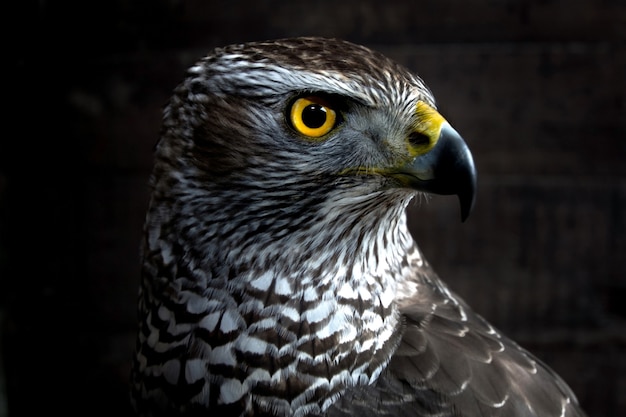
pixel 428 124
pixel 312 116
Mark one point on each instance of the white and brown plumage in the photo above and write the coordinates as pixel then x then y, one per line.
pixel 279 276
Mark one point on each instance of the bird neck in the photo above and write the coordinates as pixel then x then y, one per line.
pixel 306 295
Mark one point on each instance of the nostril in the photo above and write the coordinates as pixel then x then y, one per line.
pixel 418 139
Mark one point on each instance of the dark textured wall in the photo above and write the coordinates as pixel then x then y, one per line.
pixel 537 87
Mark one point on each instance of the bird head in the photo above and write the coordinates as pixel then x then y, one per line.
pixel 299 116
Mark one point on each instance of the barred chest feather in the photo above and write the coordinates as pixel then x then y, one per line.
pixel 283 332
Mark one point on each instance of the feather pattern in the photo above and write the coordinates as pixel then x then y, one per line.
pixel 451 362
pixel 280 280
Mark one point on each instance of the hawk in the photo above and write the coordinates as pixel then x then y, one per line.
pixel 279 276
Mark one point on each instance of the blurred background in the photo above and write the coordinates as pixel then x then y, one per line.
pixel 537 88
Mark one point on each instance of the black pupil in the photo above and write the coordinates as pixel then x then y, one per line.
pixel 314 116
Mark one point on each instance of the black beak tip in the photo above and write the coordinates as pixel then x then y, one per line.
pixel 467 197
pixel 467 205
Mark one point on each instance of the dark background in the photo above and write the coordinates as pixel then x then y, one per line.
pixel 538 89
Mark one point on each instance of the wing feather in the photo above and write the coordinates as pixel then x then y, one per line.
pixel 451 362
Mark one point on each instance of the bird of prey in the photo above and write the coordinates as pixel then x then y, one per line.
pixel 279 276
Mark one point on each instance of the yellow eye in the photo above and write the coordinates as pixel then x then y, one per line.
pixel 312 116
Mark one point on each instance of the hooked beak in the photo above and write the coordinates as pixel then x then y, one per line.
pixel 443 163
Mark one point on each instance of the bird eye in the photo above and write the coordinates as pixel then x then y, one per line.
pixel 312 116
